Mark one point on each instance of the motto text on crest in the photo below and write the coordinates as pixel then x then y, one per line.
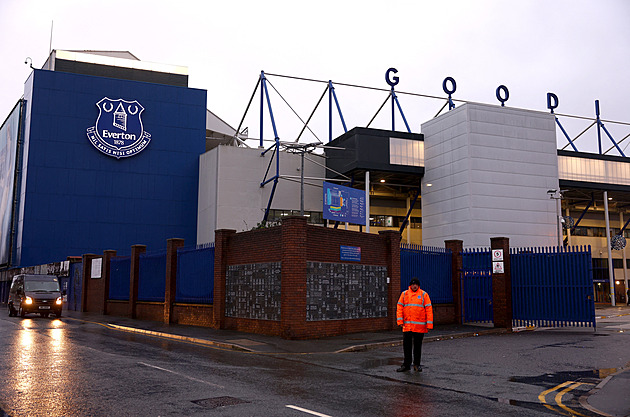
pixel 119 131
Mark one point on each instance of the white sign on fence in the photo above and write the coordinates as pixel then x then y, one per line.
pixel 97 265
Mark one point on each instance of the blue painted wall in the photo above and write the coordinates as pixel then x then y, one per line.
pixel 75 199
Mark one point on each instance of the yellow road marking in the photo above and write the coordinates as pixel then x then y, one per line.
pixel 542 395
pixel 568 386
pixel 188 340
pixel 559 395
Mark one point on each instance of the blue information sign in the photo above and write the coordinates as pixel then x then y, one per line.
pixel 349 253
pixel 344 204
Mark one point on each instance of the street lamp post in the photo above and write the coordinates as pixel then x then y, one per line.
pixel 557 195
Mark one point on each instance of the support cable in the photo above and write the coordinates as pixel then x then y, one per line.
pixel 268 167
pixel 311 116
pixel 379 110
pixel 440 111
pixel 294 112
pixel 583 132
pixel 624 138
pixel 330 169
pixel 361 86
pixel 426 96
pixel 238 129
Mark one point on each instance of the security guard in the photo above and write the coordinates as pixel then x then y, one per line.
pixel 415 314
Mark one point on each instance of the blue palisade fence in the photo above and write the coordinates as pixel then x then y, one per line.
pixel 552 286
pixel 152 279
pixel 195 275
pixel 120 267
pixel 432 266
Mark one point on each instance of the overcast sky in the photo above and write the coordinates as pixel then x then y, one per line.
pixel 579 50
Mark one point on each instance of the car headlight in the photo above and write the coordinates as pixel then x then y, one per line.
pixel 58 302
pixel 28 300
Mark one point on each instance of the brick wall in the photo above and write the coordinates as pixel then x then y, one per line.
pixel 117 308
pixel 193 314
pixel 444 314
pixel 92 298
pixel 294 243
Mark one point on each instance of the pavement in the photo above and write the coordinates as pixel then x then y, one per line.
pixel 609 398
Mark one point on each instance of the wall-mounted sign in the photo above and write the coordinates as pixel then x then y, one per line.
pixel 497 255
pixel 344 204
pixel 349 253
pixel 119 131
pixel 497 268
pixel 97 267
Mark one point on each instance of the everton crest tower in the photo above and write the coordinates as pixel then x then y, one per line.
pixel 107 153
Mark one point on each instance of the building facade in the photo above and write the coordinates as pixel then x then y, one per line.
pixel 105 151
pixel 101 161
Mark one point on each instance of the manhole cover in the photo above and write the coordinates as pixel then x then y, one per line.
pixel 219 402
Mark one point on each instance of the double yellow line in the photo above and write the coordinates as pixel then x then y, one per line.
pixel 570 385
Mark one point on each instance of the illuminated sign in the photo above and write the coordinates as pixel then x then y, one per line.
pixel 119 131
pixel 344 204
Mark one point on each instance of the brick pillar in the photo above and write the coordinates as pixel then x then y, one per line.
pixel 502 286
pixel 87 276
pixel 293 293
pixel 171 276
pixel 391 243
pixel 134 276
pixel 221 244
pixel 107 256
pixel 456 247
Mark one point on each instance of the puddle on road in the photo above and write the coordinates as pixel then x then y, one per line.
pixel 545 380
pixel 246 342
pixel 375 363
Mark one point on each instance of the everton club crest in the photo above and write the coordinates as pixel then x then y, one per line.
pixel 119 131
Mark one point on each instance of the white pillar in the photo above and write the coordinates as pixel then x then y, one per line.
pixel 408 220
pixel 367 201
pixel 570 240
pixel 559 218
pixel 623 253
pixel 611 271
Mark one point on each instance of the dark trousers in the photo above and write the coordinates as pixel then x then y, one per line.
pixel 412 339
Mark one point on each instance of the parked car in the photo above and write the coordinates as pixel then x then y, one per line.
pixel 32 293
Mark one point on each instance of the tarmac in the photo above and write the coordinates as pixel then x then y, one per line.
pixel 609 398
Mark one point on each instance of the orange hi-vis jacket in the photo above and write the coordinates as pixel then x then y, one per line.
pixel 414 311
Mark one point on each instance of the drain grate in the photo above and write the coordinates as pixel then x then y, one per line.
pixel 219 402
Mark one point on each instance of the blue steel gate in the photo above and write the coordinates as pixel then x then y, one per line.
pixel 75 286
pixel 552 287
pixel 432 266
pixel 476 286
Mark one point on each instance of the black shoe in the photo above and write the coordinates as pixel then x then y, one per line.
pixel 402 368
pixel 417 368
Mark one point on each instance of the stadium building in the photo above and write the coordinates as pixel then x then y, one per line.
pixel 105 151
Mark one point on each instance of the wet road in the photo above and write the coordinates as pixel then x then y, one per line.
pixel 76 368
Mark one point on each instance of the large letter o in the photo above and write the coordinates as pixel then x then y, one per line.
pixel 506 93
pixel 445 88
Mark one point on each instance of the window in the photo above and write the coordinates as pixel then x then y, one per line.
pixel 406 152
pixel 313 217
